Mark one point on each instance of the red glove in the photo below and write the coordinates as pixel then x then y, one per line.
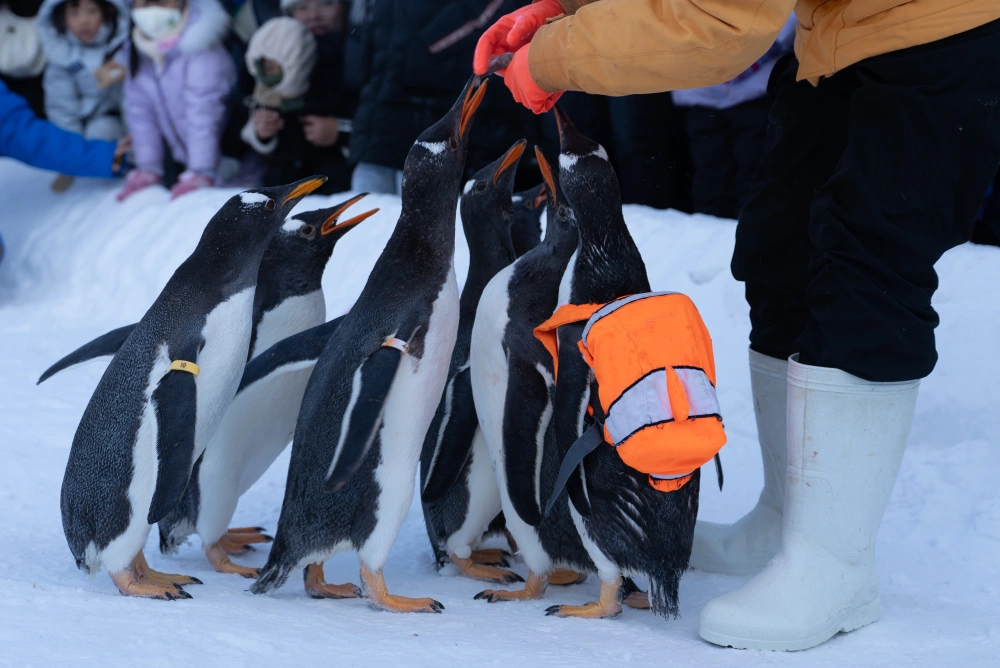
pixel 137 180
pixel 518 79
pixel 189 182
pixel 513 31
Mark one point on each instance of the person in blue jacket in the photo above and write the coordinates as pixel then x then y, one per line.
pixel 29 139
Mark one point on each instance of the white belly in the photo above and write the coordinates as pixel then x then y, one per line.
pixel 566 282
pixel 484 500
pixel 489 389
pixel 294 315
pixel 409 410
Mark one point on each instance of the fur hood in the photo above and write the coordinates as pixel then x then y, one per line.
pixel 64 50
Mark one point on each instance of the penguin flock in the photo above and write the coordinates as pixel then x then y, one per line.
pixel 417 389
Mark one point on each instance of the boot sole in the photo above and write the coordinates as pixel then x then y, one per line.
pixel 850 621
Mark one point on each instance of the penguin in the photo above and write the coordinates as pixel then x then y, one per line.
pixel 526 230
pixel 261 417
pixel 375 387
pixel 513 386
pixel 458 489
pixel 627 527
pixel 164 393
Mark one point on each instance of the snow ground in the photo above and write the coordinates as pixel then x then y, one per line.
pixel 79 264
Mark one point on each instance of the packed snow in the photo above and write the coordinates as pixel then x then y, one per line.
pixel 80 264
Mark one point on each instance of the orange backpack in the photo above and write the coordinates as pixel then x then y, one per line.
pixel 652 358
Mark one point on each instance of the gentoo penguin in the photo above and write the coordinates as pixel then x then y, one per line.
pixel 526 230
pixel 513 387
pixel 374 389
pixel 627 526
pixel 164 394
pixel 260 420
pixel 458 490
pixel 289 295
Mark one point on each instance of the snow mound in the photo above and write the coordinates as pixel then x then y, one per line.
pixel 79 264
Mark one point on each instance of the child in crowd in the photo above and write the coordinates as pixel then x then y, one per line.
pixel 297 63
pixel 82 83
pixel 726 126
pixel 179 78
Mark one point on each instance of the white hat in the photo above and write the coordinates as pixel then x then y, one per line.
pixel 290 44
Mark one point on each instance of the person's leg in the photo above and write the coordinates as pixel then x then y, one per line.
pixel 923 144
pixel 804 141
pixel 748 129
pixel 711 155
pixel 371 178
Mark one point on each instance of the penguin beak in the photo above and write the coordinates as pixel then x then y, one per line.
pixel 541 196
pixel 546 170
pixel 470 104
pixel 571 141
pixel 303 188
pixel 330 224
pixel 510 159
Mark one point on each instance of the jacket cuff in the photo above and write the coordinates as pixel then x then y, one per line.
pixel 249 135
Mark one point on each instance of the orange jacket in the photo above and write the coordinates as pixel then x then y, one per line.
pixel 653 362
pixel 621 47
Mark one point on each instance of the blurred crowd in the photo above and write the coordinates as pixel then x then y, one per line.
pixel 191 94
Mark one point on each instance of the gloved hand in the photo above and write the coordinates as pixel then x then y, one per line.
pixel 517 78
pixel 513 31
pixel 190 181
pixel 136 180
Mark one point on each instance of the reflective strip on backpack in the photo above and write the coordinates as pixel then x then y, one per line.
pixel 611 307
pixel 646 402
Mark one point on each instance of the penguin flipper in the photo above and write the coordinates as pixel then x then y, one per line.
pixel 454 440
pixel 102 346
pixel 371 384
pixel 176 406
pixel 299 351
pixel 528 401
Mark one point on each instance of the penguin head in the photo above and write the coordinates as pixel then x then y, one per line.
pixel 438 155
pixel 585 173
pixel 560 221
pixel 298 253
pixel 486 198
pixel 531 202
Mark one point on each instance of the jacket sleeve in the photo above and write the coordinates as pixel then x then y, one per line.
pixel 622 47
pixel 27 138
pixel 63 105
pixel 140 117
pixel 211 76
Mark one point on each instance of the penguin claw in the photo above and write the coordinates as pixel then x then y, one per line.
pixel 436 606
pixel 167 596
pixel 194 581
pixel 182 594
pixel 552 610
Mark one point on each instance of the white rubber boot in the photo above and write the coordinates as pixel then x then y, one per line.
pixel 745 547
pixel 846 438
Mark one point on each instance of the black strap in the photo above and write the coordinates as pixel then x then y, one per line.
pixel 718 469
pixel 583 446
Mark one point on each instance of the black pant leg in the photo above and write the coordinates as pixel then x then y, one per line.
pixel 923 146
pixel 748 129
pixel 712 157
pixel 806 133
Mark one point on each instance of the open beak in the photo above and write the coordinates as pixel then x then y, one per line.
pixel 546 170
pixel 304 188
pixel 540 197
pixel 470 104
pixel 510 159
pixel 331 224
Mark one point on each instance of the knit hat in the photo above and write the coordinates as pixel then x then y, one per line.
pixel 286 5
pixel 290 44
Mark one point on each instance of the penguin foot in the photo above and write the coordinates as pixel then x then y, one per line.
pixel 607 605
pixel 564 576
pixel 147 574
pixel 479 571
pixel 491 557
pixel 141 581
pixel 380 598
pixel 241 540
pixel 533 589
pixel 218 556
pixel 638 600
pixel 317 587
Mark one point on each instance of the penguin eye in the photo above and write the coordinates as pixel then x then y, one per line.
pixel 307 231
pixel 270 205
pixel 480 186
pixel 561 211
pixel 453 143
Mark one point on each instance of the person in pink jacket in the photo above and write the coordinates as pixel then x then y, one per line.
pixel 179 79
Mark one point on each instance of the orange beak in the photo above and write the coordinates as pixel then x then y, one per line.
pixel 543 165
pixel 331 224
pixel 511 157
pixel 540 198
pixel 305 188
pixel 470 105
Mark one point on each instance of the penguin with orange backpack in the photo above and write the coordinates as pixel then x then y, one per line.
pixel 631 522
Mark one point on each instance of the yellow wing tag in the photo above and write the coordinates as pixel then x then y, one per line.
pixel 181 365
pixel 399 344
